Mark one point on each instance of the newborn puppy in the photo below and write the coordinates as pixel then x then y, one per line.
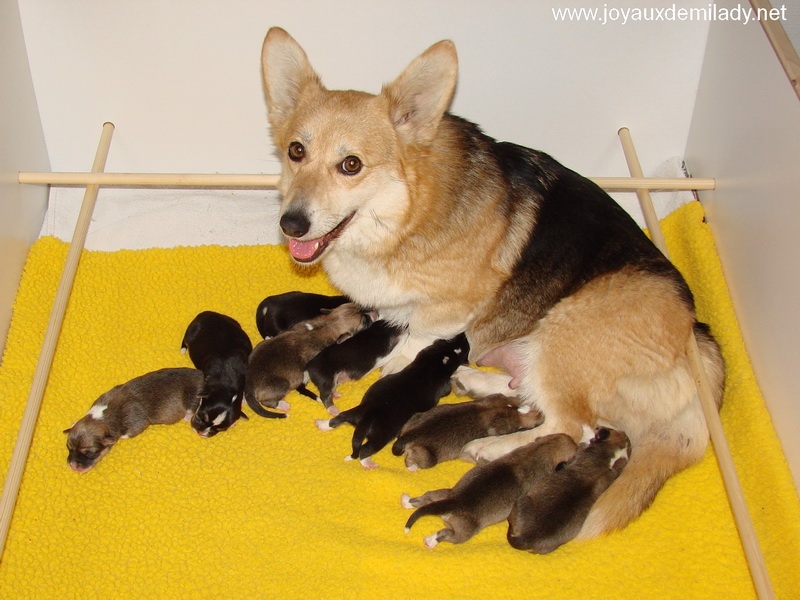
pixel 162 397
pixel 219 347
pixel 351 360
pixel 439 434
pixel 391 401
pixel 280 312
pixel 486 494
pixel 277 365
pixel 552 512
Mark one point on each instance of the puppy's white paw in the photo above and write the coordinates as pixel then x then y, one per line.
pixel 368 463
pixel 484 450
pixel 405 501
pixel 431 541
pixel 323 424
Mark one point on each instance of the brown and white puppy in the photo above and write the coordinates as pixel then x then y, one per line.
pixel 441 228
pixel 440 433
pixel 552 512
pixel 161 397
pixel 486 494
pixel 277 365
pixel 219 347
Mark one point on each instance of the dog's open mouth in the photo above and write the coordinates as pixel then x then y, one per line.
pixel 306 251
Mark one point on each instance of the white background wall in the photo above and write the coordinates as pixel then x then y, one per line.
pixel 181 79
pixel 21 147
pixel 746 133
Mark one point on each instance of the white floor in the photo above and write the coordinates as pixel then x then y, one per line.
pixel 146 218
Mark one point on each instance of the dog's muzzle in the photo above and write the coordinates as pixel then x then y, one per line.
pixel 307 251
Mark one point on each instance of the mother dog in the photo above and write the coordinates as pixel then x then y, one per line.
pixel 417 213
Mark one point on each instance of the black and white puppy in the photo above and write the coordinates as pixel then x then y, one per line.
pixel 280 312
pixel 392 400
pixel 351 360
pixel 219 347
pixel 553 511
pixel 440 433
pixel 161 397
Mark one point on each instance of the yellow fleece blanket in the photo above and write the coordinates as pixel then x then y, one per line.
pixel 270 509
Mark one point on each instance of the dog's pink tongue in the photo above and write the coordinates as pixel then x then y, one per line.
pixel 303 250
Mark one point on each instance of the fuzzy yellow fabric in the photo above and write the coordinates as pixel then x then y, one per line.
pixel 269 509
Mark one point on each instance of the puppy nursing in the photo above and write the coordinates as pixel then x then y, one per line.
pixel 391 401
pixel 486 494
pixel 554 509
pixel 440 434
pixel 277 365
pixel 162 397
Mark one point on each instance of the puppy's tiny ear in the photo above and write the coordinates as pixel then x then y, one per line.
pixel 343 337
pixel 244 416
pixel 107 440
pixel 602 434
pixel 68 430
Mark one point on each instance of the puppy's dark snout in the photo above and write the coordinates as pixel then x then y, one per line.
pixel 602 434
pixel 295 223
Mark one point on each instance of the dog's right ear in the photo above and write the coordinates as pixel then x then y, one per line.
pixel 422 93
pixel 287 74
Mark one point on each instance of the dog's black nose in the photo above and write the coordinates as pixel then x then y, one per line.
pixel 295 223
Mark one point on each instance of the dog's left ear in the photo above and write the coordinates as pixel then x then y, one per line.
pixel 422 93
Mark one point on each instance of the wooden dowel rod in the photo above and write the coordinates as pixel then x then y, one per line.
pixel 223 180
pixel 733 487
pixel 31 414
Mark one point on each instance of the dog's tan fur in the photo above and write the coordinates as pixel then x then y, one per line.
pixel 434 243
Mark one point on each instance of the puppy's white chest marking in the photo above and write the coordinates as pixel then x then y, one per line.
pixel 97 411
pixel 621 453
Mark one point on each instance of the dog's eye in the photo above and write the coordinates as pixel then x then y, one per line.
pixel 297 151
pixel 351 165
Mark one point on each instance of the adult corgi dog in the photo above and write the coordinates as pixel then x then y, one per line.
pixel 417 213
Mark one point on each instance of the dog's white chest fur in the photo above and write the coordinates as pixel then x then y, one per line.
pixel 370 285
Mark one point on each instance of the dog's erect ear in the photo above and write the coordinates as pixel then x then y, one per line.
pixel 287 73
pixel 422 93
